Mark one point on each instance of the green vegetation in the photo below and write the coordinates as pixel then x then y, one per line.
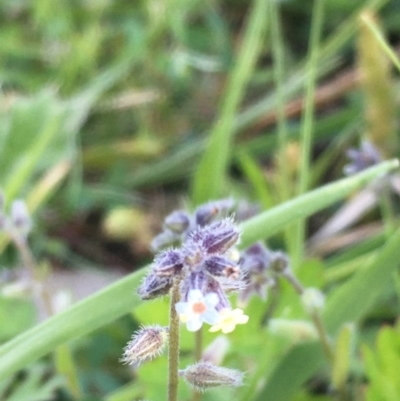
pixel 115 113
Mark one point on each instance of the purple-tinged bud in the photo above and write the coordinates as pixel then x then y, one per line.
pixel 204 375
pixel 177 221
pixel 154 286
pixel 220 266
pixel 20 218
pixel 218 237
pixel 146 344
pixel 168 263
pixel 205 214
pixel 256 258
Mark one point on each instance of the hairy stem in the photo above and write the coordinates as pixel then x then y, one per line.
pixel 173 349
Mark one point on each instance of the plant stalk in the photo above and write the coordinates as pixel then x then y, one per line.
pixel 173 349
pixel 315 316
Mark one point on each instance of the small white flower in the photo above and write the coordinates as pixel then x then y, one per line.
pixel 229 319
pixel 198 309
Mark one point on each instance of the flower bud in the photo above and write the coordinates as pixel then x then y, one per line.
pixel 20 218
pixel 205 375
pixel 168 263
pixel 145 344
pixel 177 221
pixel 313 300
pixel 154 286
pixel 206 213
pixel 218 237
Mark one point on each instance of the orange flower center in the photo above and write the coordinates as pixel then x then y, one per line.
pixel 198 307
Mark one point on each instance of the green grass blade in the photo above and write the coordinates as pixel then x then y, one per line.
pixel 119 298
pixel 273 220
pixel 210 175
pixel 307 126
pixel 82 318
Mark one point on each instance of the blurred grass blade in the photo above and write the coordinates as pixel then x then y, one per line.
pixel 381 40
pixel 349 303
pixel 307 125
pixel 255 176
pixel 380 102
pixel 209 178
pixel 82 318
pixel 119 298
pixel 341 362
pixel 66 367
pixel 273 220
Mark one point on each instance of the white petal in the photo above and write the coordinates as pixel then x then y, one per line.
pixel 194 324
pixel 195 296
pixel 181 307
pixel 211 299
pixel 210 316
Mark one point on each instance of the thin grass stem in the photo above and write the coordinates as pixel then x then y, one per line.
pixel 308 122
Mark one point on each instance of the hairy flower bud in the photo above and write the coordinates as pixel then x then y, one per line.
pixel 168 263
pixel 217 237
pixel 204 375
pixel 154 286
pixel 145 344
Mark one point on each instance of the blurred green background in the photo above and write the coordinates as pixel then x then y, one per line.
pixel 106 108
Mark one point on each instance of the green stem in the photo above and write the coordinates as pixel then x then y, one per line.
pixel 173 350
pixel 315 316
pixel 307 123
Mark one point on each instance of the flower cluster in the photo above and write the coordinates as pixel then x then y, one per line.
pixel 206 265
pixel 179 224
pixel 260 267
